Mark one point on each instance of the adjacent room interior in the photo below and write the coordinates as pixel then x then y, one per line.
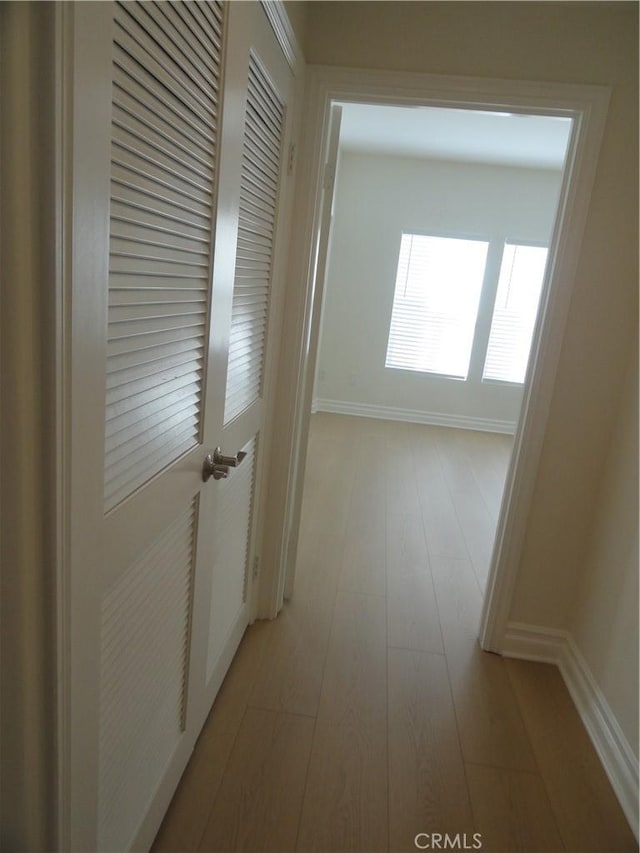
pixel 440 229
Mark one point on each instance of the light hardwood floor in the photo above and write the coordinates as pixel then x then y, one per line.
pixel 366 713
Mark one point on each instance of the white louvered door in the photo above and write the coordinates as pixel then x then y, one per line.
pixel 178 137
pixel 267 82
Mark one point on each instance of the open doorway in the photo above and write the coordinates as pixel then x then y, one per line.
pixel 585 107
pixel 440 228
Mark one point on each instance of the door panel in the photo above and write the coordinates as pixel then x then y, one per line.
pixel 256 67
pixel 170 149
pixel 162 186
pixel 144 642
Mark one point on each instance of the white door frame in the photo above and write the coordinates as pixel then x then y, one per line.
pixel 587 106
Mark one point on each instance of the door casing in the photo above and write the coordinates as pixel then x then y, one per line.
pixel 587 107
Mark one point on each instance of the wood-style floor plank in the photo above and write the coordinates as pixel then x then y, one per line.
pixel 488 457
pixel 490 724
pixel 291 675
pixel 512 811
pixel 427 786
pixel 459 603
pixel 363 561
pixel 345 804
pixel 476 522
pixel 587 812
pixel 187 816
pixel 412 613
pixel 412 616
pixel 443 533
pixel 258 805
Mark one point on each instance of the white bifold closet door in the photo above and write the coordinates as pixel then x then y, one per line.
pixel 179 132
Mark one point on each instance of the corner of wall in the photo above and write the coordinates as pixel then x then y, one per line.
pixel 558 647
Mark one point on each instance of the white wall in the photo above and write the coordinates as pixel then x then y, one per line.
pixel 377 198
pixel 605 620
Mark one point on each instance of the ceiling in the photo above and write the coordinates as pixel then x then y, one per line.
pixel 456 134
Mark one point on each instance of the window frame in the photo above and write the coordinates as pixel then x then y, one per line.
pixel 533 244
pixel 471 236
pixel 496 245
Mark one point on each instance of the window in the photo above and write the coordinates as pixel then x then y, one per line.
pixel 514 312
pixel 435 304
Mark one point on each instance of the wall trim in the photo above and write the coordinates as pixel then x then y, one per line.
pixel 414 416
pixel 281 26
pixel 533 642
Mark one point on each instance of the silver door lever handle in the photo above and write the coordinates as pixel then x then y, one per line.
pixel 217 465
pixel 232 461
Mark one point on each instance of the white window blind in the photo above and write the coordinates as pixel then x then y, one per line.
pixel 435 304
pixel 514 313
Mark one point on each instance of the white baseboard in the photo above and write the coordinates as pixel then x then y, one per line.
pixel 531 642
pixel 414 416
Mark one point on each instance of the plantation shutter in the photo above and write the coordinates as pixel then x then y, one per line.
pixel 166 85
pixel 264 127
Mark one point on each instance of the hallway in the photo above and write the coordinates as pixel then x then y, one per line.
pixel 366 713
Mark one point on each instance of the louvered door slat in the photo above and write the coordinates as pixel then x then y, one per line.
pixel 134 348
pixel 182 170
pixel 132 84
pixel 164 136
pixel 136 430
pixel 208 19
pixel 126 166
pixel 152 354
pixel 137 441
pixel 153 388
pixel 130 227
pixel 258 202
pixel 145 466
pixel 261 140
pixel 166 361
pixel 264 106
pixel 259 207
pixel 179 28
pixel 129 209
pixel 145 122
pixel 175 61
pixel 204 39
pixel 140 46
pixel 123 242
pixel 150 18
pixel 126 419
pixel 253 171
pixel 259 163
pixel 144 637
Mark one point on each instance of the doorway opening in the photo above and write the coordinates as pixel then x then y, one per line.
pixel 584 110
pixel 441 221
